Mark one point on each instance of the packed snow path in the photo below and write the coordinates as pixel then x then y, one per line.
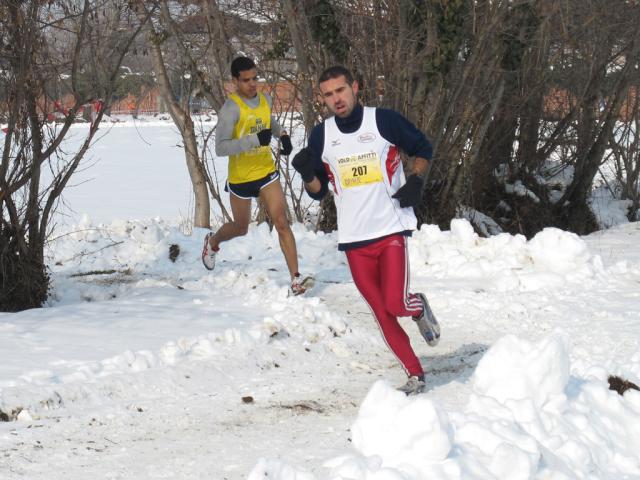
pixel 145 368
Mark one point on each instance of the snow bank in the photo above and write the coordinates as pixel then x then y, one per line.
pixel 122 311
pixel 124 259
pixel 608 210
pixel 502 262
pixel 526 417
pixel 100 306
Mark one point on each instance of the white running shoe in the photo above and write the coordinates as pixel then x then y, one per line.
pixel 301 284
pixel 427 323
pixel 208 253
pixel 415 385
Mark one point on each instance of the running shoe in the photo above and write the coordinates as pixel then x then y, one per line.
pixel 208 253
pixel 301 284
pixel 415 385
pixel 427 323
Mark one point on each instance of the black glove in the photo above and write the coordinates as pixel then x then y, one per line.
pixel 264 137
pixel 410 193
pixel 303 163
pixel 286 149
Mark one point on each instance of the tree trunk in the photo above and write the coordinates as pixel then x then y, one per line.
pixel 294 22
pixel 31 147
pixel 596 131
pixel 182 119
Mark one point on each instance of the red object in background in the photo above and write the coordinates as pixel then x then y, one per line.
pixel 98 105
pixel 59 108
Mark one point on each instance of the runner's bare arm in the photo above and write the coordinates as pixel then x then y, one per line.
pixel 314 186
pixel 420 166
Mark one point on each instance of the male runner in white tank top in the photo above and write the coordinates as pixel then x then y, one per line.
pixel 356 153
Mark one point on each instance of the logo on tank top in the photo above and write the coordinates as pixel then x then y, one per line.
pixel 366 137
pixel 259 125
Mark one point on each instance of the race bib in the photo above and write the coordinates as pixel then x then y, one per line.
pixel 359 169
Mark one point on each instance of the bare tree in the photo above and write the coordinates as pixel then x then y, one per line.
pixel 159 29
pixel 41 44
pixel 501 86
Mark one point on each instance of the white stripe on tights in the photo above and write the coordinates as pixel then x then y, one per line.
pixel 407 301
pixel 383 336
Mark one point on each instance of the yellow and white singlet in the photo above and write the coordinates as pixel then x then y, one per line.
pixel 256 163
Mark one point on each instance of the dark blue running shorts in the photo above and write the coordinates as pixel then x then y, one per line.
pixel 251 189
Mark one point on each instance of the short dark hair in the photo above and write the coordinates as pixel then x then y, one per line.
pixel 241 64
pixel 335 72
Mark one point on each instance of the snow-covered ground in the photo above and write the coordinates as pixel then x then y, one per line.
pixel 140 162
pixel 143 367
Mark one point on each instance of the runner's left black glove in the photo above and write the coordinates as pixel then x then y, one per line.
pixel 287 148
pixel 410 193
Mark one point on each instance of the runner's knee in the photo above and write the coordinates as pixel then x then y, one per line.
pixel 281 224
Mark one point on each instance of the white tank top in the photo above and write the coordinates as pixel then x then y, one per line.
pixel 365 170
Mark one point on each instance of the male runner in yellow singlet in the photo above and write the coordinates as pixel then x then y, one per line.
pixel 244 132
